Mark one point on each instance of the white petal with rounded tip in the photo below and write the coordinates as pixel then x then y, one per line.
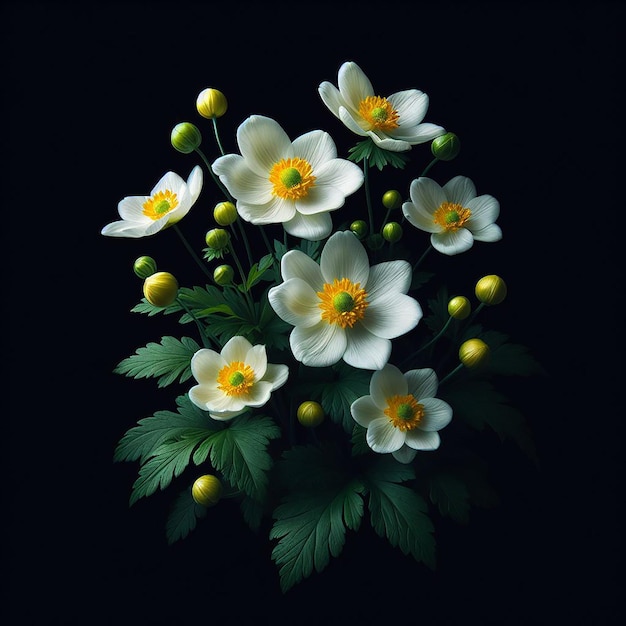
pixel 311 227
pixel 451 243
pixel 170 181
pixel 194 183
pixel 318 346
pixel 422 440
pixel 276 374
pixel 275 211
pixel 353 84
pixel 388 143
pixel 131 230
pixel 490 233
pixel 296 264
pixel 437 414
pixel 320 199
pixel 262 143
pixel 295 302
pixel 256 358
pixel 426 194
pixel 131 210
pixel 422 383
pixel 205 365
pixel 364 410
pixel 364 350
pixel 411 106
pixel 340 173
pixel 331 97
pixel 236 349
pixel 419 134
pixel 356 125
pixel 383 437
pixel 243 184
pixel 224 416
pixel 258 394
pixel 344 256
pixel 419 218
pixel 200 396
pixel 485 210
pixel 388 277
pixel 387 382
pixel 316 147
pixel 460 190
pixel 404 454
pixel 392 316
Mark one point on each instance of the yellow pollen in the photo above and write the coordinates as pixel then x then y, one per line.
pixel 379 113
pixel 343 302
pixel 451 216
pixel 404 412
pixel 292 178
pixel 158 205
pixel 235 379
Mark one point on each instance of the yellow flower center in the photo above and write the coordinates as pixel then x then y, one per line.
pixel 404 412
pixel 159 204
pixel 379 113
pixel 292 178
pixel 451 216
pixel 343 302
pixel 235 379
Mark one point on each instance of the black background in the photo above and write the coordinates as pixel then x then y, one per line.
pixel 90 95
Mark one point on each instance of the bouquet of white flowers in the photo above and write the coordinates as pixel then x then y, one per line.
pixel 329 378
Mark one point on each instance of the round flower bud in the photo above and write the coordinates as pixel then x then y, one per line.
pixel 392 232
pixel 144 266
pixel 207 490
pixel 217 238
pixel 223 275
pixel 211 103
pixel 459 307
pixel 392 199
pixel 225 213
pixel 446 147
pixel 310 414
pixel 160 289
pixel 473 352
pixel 186 137
pixel 491 289
pixel 359 228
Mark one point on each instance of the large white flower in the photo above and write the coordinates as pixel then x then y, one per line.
pixel 343 308
pixel 234 379
pixel 402 414
pixel 168 203
pixel 454 214
pixel 393 123
pixel 275 180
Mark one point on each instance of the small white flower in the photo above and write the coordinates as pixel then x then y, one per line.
pixel 454 214
pixel 394 123
pixel 167 204
pixel 234 379
pixel 402 414
pixel 298 183
pixel 343 308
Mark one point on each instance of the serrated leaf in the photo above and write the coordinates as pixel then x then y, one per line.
pixel 509 359
pixel 183 517
pixel 252 511
pixel 376 156
pixel 168 361
pixel 451 496
pixel 141 441
pixel 258 270
pixel 239 451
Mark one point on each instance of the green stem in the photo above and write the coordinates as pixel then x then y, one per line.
pixel 427 168
pixel 191 251
pixel 422 257
pixel 368 198
pixel 266 240
pixel 245 241
pixel 205 340
pixel 218 182
pixel 459 367
pixel 217 137
pixel 243 281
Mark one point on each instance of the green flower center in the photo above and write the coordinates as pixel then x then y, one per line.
pixel 379 114
pixel 452 217
pixel 290 177
pixel 343 302
pixel 405 411
pixel 236 378
pixel 162 207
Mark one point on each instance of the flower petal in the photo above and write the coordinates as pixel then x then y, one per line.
pixel 422 383
pixel 344 256
pixel 388 143
pixel 460 190
pixel 170 181
pixel 131 209
pixel 387 382
pixel 419 218
pixel 296 264
pixel 392 316
pixel 331 97
pixel 404 454
pixel 352 122
pixel 422 440
pixel 490 233
pixel 485 211
pixel 243 184
pixel 320 199
pixel 364 410
pixel 256 358
pixel 205 365
pixel 194 184
pixel 437 414
pixel 258 394
pixel 426 194
pixel 383 437
pixel 340 174
pixel 388 277
pixel 295 302
pixel 262 143
pixel 411 106
pixel 353 84
pixel 317 147
pixel 310 227
pixel 452 242
pixel 365 350
pixel 318 346
pixel 275 211
pixel 276 374
pixel 236 349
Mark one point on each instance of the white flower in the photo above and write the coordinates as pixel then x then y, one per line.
pixel 168 203
pixel 275 180
pixel 454 214
pixel 234 379
pixel 343 308
pixel 401 413
pixel 393 123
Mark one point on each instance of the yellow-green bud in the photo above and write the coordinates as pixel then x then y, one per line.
pixel 491 289
pixel 459 307
pixel 211 103
pixel 225 213
pixel 186 137
pixel 144 266
pixel 310 414
pixel 446 147
pixel 473 352
pixel 359 228
pixel 392 232
pixel 223 274
pixel 392 199
pixel 160 289
pixel 217 238
pixel 207 490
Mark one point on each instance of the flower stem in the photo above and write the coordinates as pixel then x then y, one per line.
pixel 368 198
pixel 217 137
pixel 422 257
pixel 427 168
pixel 205 340
pixel 218 182
pixel 245 241
pixel 459 367
pixel 191 251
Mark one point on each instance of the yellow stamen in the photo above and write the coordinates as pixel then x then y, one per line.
pixel 292 178
pixel 343 302
pixel 404 412
pixel 451 216
pixel 379 113
pixel 235 379
pixel 158 205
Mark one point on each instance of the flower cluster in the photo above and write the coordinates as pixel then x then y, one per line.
pixel 324 368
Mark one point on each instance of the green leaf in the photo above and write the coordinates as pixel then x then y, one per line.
pixel 419 279
pixel 252 511
pixel 399 513
pixel 509 359
pixel 168 361
pixel 258 270
pixel 311 522
pixel 239 451
pixel 141 441
pixel 451 495
pixel 376 156
pixel 183 516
